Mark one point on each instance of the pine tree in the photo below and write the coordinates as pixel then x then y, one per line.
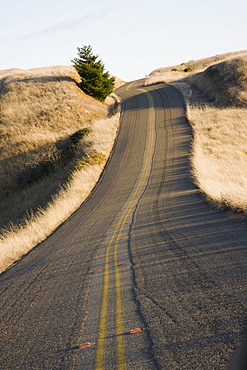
pixel 95 81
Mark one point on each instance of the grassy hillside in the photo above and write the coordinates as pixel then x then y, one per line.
pixel 225 84
pixel 215 90
pixel 52 136
pixel 199 65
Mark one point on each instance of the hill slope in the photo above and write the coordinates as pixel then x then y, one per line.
pixel 50 132
pixel 215 90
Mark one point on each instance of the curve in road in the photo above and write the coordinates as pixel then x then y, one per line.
pixel 143 250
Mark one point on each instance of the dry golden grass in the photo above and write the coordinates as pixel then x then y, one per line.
pixel 193 67
pixel 225 84
pixel 216 110
pixel 199 65
pixel 39 111
pixel 219 156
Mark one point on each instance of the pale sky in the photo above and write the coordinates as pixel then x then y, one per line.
pixel 132 38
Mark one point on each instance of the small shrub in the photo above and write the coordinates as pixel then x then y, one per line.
pixel 188 69
pixel 93 159
pixel 176 70
pixel 78 136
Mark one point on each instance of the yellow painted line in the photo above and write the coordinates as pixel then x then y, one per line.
pixel 120 349
pixel 100 353
pixel 101 342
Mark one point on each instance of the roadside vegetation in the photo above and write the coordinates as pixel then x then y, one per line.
pixel 215 90
pixel 54 143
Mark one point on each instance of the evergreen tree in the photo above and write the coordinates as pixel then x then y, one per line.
pixel 95 81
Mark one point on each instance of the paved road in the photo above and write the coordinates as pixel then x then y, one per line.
pixel 143 251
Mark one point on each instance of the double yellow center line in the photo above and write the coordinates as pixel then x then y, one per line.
pixel 113 247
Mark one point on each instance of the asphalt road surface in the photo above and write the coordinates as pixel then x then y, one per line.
pixel 145 252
